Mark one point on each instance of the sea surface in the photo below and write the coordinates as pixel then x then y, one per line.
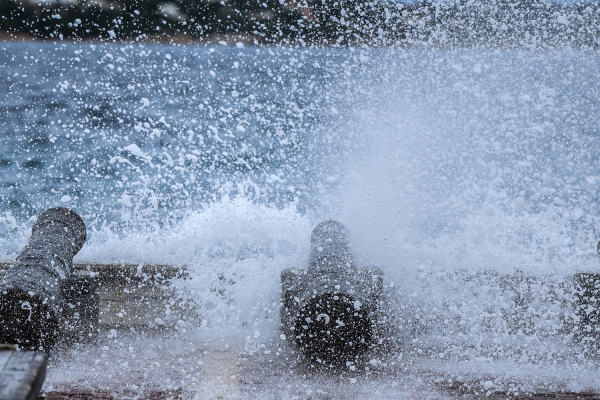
pixel 470 177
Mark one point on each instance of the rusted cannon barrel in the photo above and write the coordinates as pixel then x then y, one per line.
pixel 331 309
pixel 32 301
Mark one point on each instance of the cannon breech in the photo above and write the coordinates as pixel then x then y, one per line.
pixel 331 309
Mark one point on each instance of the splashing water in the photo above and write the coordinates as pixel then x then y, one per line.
pixel 468 176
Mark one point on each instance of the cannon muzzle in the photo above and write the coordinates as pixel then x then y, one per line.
pixel 32 301
pixel 330 309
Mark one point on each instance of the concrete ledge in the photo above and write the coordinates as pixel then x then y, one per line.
pixel 132 295
pixel 112 271
pixel 22 374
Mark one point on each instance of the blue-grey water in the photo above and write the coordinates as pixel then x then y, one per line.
pixel 470 177
pixel 203 123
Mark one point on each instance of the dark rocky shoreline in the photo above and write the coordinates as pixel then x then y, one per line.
pixel 498 24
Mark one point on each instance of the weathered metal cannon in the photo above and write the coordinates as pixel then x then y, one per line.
pixel 586 287
pixel 332 310
pixel 39 296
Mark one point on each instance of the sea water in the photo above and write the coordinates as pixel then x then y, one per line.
pixel 469 177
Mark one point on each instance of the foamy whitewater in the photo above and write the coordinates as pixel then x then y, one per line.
pixel 469 177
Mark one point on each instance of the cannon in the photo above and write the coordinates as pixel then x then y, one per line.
pixel 586 290
pixel 38 294
pixel 332 310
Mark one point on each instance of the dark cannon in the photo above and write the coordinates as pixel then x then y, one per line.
pixel 586 287
pixel 332 309
pixel 39 296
